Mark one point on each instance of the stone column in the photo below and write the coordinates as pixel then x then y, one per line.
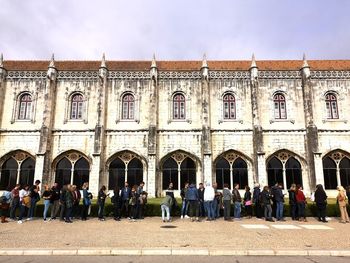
pixel 311 129
pixel 153 185
pixel 3 75
pixel 318 169
pixel 257 129
pixel 206 135
pixel 98 175
pixel 262 175
pixel 45 143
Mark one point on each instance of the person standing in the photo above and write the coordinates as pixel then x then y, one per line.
pixel 116 203
pixel 63 202
pixel 15 201
pixel 256 200
pixel 170 192
pixel 142 200
pixel 192 197
pixel 24 202
pixel 217 201
pixel 293 202
pixel 68 203
pixel 34 194
pixel 184 208
pixel 201 200
pixel 227 198
pixel 279 199
pixel 208 198
pixel 55 201
pixel 86 201
pixel 301 203
pixel 134 203
pixel 266 201
pixel 125 195
pixel 165 206
pixel 247 199
pixel 46 196
pixel 321 203
pixel 76 201
pixel 237 199
pixel 341 199
pixel 101 199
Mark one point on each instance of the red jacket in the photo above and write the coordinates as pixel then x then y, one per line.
pixel 300 197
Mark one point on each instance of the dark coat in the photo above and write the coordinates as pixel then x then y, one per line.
pixel 292 199
pixel 236 196
pixel 320 198
pixel 266 198
pixel 256 194
pixel 279 197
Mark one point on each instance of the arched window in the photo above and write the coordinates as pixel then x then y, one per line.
pixel 293 172
pixel 274 171
pixel 8 174
pixel 187 172
pixel 229 105
pixel 344 169
pixel 240 172
pixel 329 173
pixel 179 107
pixel 116 174
pixel 63 172
pixel 178 169
pixel 125 167
pixel 81 172
pixel 223 174
pixel 26 175
pixel 331 106
pixel 25 107
pixel 77 107
pixel 170 173
pixel 280 106
pixel 128 107
pixel 72 172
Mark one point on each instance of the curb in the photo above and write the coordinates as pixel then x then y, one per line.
pixel 172 252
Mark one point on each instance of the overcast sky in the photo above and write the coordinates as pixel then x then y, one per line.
pixel 174 29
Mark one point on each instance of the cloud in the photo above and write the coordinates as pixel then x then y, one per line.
pixel 182 29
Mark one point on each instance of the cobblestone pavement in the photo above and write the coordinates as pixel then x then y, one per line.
pixel 152 233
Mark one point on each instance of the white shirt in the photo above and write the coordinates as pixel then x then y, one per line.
pixel 23 193
pixel 209 193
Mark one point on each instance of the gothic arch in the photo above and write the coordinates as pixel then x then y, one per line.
pixel 127 166
pixel 232 167
pixel 336 168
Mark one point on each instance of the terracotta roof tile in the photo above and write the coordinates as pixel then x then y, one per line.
pixel 178 65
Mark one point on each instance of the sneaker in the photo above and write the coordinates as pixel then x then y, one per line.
pixel 182 217
pixel 19 221
pixel 186 216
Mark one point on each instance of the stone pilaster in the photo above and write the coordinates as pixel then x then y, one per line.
pixel 152 188
pixel 3 74
pixel 98 174
pixel 311 129
pixel 47 123
pixel 206 135
pixel 258 173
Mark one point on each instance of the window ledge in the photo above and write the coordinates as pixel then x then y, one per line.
pixel 282 120
pixel 127 121
pixel 181 120
pixel 334 120
pixel 231 120
pixel 73 120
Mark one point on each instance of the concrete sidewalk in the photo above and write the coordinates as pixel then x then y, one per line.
pixel 181 237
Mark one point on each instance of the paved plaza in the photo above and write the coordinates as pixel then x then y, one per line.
pixel 151 234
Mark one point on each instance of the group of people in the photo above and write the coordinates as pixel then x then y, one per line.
pixel 268 202
pixel 206 201
pixel 68 202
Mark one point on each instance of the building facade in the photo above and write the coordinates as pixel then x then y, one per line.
pixel 107 122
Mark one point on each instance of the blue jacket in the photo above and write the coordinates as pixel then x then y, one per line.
pixel 125 193
pixel 192 193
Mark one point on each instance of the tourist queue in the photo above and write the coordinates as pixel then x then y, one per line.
pixel 207 202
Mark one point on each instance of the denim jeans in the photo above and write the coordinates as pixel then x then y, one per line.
pixel 165 210
pixel 22 210
pixel 267 211
pixel 293 211
pixel 101 209
pixel 208 205
pixel 279 210
pixel 46 208
pixel 301 210
pixel 215 207
pixel 32 208
pixel 237 210
pixel 184 208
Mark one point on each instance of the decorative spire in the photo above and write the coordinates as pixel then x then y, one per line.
pixel 1 61
pixel 52 62
pixel 305 64
pixel 253 65
pixel 103 62
pixel 204 61
pixel 154 64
